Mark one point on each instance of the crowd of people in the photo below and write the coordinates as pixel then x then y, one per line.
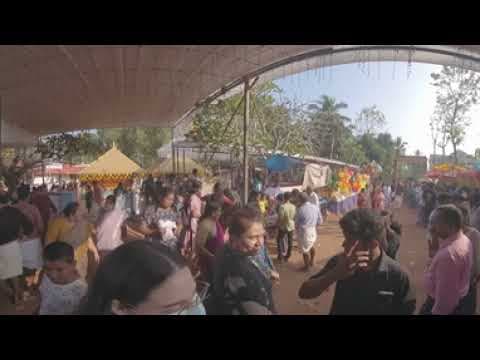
pixel 164 247
pixel 451 216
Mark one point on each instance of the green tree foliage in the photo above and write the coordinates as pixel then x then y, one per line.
pixel 56 147
pixel 383 149
pixel 318 129
pixel 139 144
pixel 457 92
pixel 370 121
pixel 329 130
pixel 274 125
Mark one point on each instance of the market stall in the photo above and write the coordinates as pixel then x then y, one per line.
pixel 110 169
pixel 56 173
pixel 342 191
pixel 457 175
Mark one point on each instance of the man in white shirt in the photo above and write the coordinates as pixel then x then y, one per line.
pixel 313 197
pixel 273 190
pixel 387 191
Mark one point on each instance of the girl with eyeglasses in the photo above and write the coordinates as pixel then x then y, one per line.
pixel 144 278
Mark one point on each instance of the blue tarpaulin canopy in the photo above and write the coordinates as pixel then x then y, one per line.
pixel 280 163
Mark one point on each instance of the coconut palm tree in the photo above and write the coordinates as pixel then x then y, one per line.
pixel 327 124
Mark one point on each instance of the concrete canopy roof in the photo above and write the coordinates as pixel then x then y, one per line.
pixel 46 89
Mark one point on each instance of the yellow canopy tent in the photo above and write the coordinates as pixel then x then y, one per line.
pixel 110 169
pixel 165 167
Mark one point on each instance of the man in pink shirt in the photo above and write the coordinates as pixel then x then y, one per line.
pixel 448 274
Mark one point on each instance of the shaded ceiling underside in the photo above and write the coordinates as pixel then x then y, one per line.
pixel 47 89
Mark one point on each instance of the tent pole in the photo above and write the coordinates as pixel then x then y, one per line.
pixel 173 149
pixel 177 161
pixel 246 118
pixel 184 168
pixel 1 127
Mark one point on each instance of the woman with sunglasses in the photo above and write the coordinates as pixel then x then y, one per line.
pixel 143 278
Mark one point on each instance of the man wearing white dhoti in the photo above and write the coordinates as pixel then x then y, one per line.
pixel 307 218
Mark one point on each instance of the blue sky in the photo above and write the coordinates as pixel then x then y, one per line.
pixel 406 101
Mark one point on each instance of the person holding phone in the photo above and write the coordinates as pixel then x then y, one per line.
pixel 368 281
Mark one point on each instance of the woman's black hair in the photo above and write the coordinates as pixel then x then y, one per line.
pixel 363 224
pixel 210 208
pixel 12 222
pixel 71 209
pixel 111 198
pixel 129 274
pixel 195 186
pixel 242 219
pixel 165 192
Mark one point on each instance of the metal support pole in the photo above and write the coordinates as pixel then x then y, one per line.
pixel 184 166
pixel 1 126
pixel 177 162
pixel 173 149
pixel 246 118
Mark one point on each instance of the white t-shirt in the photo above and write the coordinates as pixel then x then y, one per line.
pixel 313 197
pixel 109 232
pixel 273 192
pixel 61 299
pixel 387 191
pixel 10 260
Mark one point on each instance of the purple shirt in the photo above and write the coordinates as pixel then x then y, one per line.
pixel 308 215
pixel 447 279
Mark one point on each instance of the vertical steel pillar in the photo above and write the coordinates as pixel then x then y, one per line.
pixel 173 149
pixel 246 120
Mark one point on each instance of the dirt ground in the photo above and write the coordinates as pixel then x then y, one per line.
pixel 412 255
